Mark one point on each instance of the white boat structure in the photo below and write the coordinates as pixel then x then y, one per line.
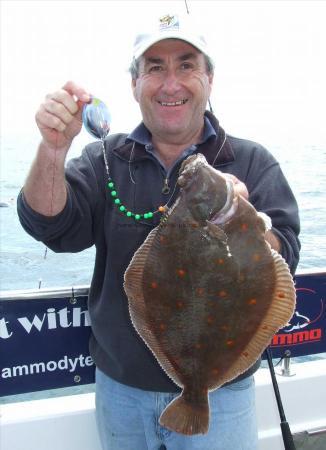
pixel 46 334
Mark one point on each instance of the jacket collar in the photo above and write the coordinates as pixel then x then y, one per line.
pixel 217 149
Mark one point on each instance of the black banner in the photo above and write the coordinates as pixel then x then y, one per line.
pixel 44 344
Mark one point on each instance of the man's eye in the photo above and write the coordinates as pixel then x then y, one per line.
pixel 186 66
pixel 155 69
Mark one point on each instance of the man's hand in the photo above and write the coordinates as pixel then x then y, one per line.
pixel 59 118
pixel 241 189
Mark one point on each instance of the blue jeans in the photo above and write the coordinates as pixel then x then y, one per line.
pixel 127 418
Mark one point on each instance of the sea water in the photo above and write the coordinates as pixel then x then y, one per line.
pixel 25 264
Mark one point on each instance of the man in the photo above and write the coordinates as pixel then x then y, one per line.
pixel 72 209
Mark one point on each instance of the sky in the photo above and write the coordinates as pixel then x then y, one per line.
pixel 270 65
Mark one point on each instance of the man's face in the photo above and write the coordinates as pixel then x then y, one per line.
pixel 172 90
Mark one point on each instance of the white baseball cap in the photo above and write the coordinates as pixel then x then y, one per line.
pixel 170 26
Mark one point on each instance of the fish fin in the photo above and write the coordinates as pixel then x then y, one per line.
pixel 133 286
pixel 277 316
pixel 185 417
pixel 134 273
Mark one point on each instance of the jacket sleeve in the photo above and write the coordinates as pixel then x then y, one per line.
pixel 270 193
pixel 72 230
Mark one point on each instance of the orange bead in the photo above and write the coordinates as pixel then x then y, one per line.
pixel 162 209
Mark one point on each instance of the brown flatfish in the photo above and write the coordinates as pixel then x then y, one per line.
pixel 206 292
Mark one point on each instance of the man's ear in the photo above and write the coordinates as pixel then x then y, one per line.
pixel 210 80
pixel 134 89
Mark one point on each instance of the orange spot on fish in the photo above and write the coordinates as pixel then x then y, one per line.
pixel 256 257
pixel 154 285
pixel 220 261
pixel 215 371
pixel 244 227
pixel 181 273
pixel 264 327
pixel 222 294
pixel 245 354
pixel 281 295
pixel 230 342
pixel 200 291
pixel 162 239
pixel 179 304
pixel 162 326
pixel 252 301
pixel 210 320
pixel 225 328
pixel 198 346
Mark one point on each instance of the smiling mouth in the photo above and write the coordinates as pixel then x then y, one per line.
pixel 178 103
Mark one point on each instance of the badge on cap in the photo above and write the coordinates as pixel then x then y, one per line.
pixel 168 23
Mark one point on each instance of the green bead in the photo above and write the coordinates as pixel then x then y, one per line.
pixel 137 216
pixel 145 216
pixel 114 193
pixel 122 208
pixel 117 201
pixel 150 215
pixel 129 214
pixel 110 185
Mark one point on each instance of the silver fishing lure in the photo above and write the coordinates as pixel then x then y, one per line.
pixel 96 118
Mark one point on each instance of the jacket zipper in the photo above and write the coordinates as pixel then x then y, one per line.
pixel 166 186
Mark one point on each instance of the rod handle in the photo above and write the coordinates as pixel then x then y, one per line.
pixel 287 436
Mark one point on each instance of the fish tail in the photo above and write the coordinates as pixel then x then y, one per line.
pixel 185 416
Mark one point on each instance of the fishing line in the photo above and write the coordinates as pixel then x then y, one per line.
pixel 129 163
pixel 220 149
pixel 53 174
pixel 52 196
pixel 209 100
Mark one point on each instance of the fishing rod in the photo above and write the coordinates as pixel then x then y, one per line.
pixel 285 428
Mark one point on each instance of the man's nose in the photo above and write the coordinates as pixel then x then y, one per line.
pixel 171 82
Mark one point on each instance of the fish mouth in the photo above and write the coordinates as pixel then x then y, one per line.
pixel 175 103
pixel 189 167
